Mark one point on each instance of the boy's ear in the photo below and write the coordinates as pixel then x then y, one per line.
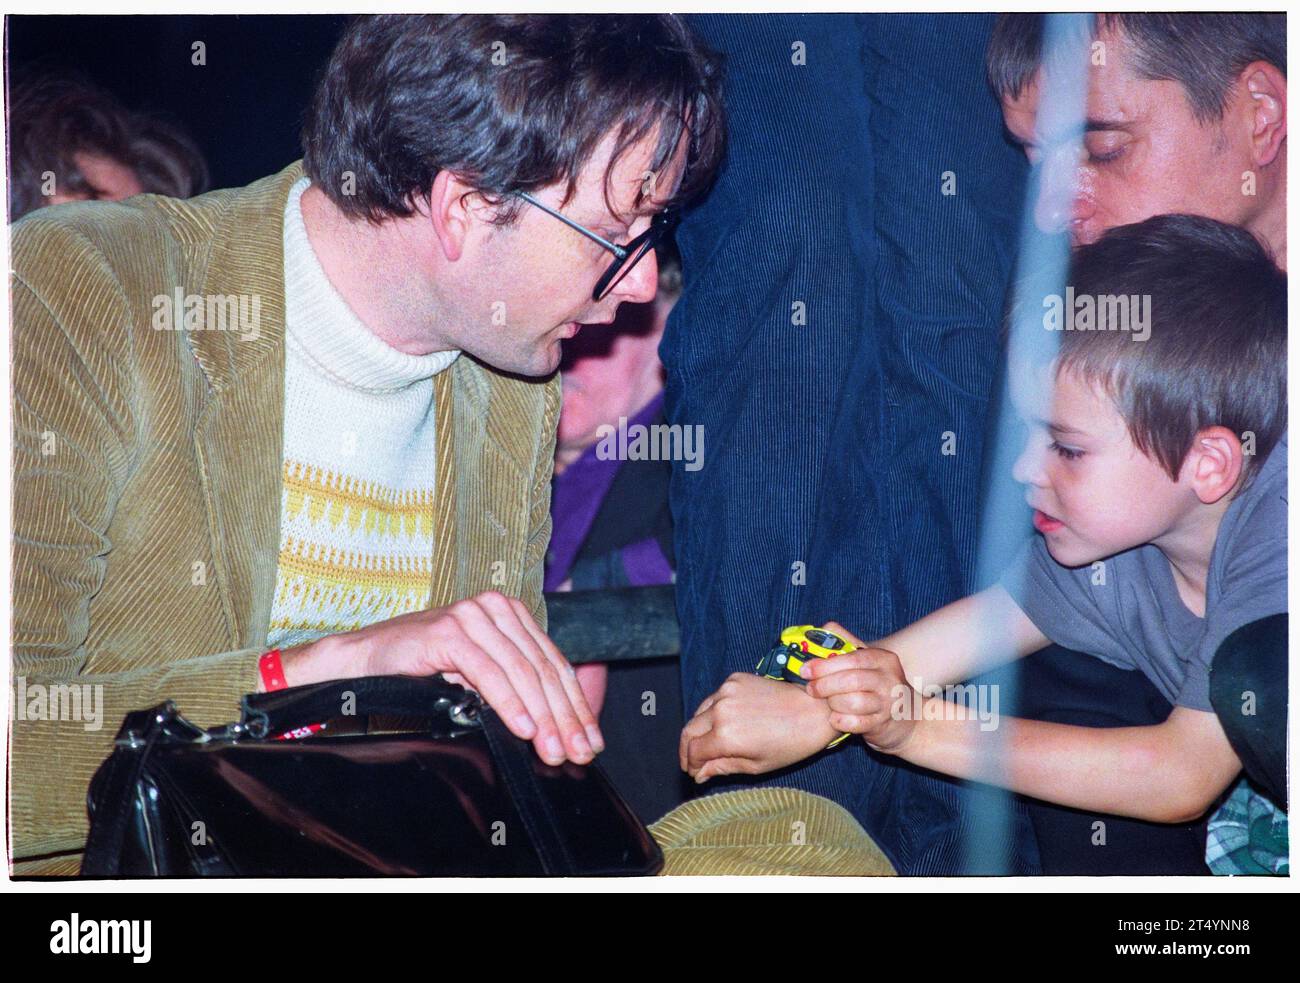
pixel 453 206
pixel 1214 463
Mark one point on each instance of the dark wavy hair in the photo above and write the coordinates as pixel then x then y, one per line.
pixel 507 103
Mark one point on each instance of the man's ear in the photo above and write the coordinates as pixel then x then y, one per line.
pixel 1214 464
pixel 451 213
pixel 1265 87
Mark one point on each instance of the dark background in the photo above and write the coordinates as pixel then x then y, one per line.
pixel 244 108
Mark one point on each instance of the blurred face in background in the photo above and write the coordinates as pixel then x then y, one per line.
pixel 1144 152
pixel 610 372
pixel 108 180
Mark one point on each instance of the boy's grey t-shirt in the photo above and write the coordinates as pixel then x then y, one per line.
pixel 1134 617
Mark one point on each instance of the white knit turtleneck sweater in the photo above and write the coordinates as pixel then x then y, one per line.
pixel 356 512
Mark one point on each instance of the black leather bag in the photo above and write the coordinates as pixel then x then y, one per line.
pixel 460 796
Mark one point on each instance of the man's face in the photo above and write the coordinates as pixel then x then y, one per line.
pixel 533 280
pixel 1143 153
pixel 1094 493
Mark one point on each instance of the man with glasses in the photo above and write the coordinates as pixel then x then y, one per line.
pixel 296 431
pixel 625 257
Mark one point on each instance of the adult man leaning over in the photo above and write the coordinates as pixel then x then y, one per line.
pixel 1185 113
pixel 353 470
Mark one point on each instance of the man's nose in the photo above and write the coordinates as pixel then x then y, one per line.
pixel 1060 200
pixel 641 282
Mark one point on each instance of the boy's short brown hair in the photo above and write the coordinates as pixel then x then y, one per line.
pixel 1215 352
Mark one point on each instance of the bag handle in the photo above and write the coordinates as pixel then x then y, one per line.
pixel 264 714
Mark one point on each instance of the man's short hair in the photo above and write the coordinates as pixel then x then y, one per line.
pixel 507 103
pixel 1216 350
pixel 1203 52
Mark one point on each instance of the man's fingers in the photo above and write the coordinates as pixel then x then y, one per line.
pixel 559 682
pixel 481 673
pixel 523 677
pixel 571 734
pixel 568 678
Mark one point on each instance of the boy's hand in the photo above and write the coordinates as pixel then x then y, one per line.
pixel 753 725
pixel 862 689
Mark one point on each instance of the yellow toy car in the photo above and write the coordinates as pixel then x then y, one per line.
pixel 798 644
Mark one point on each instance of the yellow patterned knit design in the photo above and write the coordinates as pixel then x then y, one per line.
pixel 352 552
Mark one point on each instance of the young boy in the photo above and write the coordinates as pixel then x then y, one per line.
pixel 1156 466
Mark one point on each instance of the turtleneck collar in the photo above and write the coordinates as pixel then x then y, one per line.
pixel 320 325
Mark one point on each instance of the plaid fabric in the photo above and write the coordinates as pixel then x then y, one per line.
pixel 1248 835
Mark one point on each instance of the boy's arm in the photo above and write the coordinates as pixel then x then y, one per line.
pixel 1166 773
pixel 963 639
pixel 1170 772
pixel 752 725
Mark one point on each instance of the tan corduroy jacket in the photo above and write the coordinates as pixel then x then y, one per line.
pixel 146 483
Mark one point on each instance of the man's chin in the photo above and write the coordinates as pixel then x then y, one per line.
pixel 542 367
pixel 538 364
pixel 550 358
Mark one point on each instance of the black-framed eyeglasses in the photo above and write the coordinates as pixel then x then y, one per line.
pixel 625 256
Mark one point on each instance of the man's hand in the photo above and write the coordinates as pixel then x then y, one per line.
pixel 861 689
pixel 753 725
pixel 489 643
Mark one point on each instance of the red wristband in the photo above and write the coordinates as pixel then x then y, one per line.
pixel 297 732
pixel 272 671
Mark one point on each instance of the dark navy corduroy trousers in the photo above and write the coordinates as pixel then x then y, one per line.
pixel 837 340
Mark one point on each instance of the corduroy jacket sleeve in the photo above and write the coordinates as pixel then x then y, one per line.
pixel 79 432
pixel 539 519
